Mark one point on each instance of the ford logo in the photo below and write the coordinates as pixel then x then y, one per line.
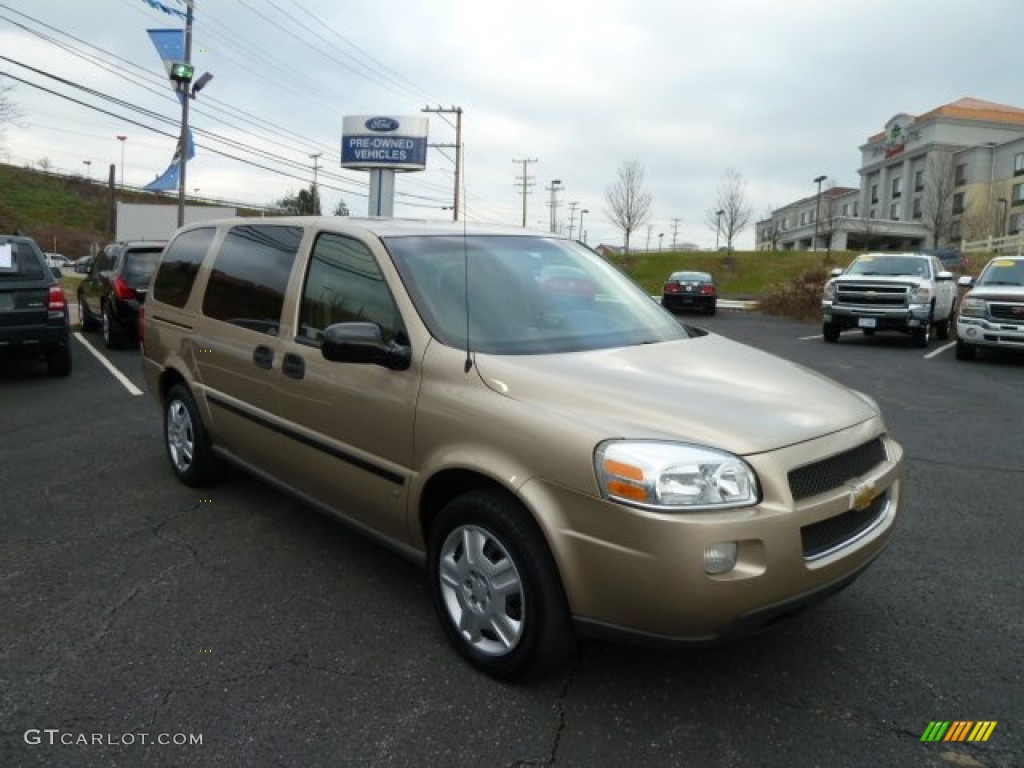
pixel 382 124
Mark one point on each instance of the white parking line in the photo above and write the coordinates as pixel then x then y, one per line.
pixel 940 350
pixel 132 389
pixel 929 356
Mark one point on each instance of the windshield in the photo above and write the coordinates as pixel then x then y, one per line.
pixel 139 264
pixel 526 294
pixel 18 262
pixel 890 265
pixel 1003 272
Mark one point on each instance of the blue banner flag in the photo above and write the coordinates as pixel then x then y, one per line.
pixel 165 8
pixel 170 44
pixel 170 179
pixel 167 181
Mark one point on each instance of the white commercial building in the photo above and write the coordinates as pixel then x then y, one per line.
pixel 955 173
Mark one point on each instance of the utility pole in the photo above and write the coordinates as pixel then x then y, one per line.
pixel 457 111
pixel 554 189
pixel 183 140
pixel 315 202
pixel 675 232
pixel 525 181
pixel 572 217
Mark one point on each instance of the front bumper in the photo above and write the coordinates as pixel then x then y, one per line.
pixel 852 316
pixel 987 333
pixel 632 572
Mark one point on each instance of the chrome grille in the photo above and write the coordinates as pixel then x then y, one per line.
pixel 871 295
pixel 1011 312
pixel 826 536
pixel 833 472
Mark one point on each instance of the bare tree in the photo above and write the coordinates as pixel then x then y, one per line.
pixel 628 203
pixel 768 238
pixel 9 111
pixel 866 227
pixel 937 201
pixel 732 202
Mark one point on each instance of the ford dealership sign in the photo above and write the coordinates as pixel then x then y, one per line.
pixel 378 141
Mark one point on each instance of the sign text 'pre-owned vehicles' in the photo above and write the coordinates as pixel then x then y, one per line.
pixel 506 407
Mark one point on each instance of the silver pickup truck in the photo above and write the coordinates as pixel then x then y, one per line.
pixel 908 292
pixel 992 314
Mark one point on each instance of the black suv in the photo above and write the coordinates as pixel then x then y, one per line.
pixel 115 288
pixel 33 310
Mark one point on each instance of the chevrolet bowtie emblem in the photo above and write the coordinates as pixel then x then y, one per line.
pixel 861 495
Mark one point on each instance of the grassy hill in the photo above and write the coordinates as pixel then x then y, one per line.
pixel 65 214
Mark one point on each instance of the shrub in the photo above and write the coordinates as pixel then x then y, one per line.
pixel 799 298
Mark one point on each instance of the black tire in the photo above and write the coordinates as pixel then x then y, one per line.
pixel 712 309
pixel 186 440
pixel 944 327
pixel 58 360
pixel 965 351
pixel 111 334
pixel 921 337
pixel 536 634
pixel 89 323
pixel 831 332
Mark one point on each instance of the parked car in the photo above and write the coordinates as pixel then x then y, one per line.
pixel 912 293
pixel 992 312
pixel 57 260
pixel 115 287
pixel 690 290
pixel 602 470
pixel 33 310
pixel 82 265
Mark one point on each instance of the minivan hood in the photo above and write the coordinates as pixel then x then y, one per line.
pixel 707 390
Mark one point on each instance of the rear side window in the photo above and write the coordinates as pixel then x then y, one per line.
pixel 180 265
pixel 250 274
pixel 18 261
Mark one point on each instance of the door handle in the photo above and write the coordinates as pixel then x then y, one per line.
pixel 263 356
pixel 293 366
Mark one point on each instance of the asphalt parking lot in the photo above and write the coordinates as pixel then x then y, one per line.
pixel 243 629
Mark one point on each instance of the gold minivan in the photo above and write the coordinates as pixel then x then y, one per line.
pixel 505 407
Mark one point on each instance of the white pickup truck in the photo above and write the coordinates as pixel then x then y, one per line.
pixel 908 292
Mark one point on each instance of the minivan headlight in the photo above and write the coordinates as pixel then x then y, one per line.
pixel 669 477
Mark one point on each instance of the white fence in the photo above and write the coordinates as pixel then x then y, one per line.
pixel 1006 246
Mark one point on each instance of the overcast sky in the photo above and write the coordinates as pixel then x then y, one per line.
pixel 779 90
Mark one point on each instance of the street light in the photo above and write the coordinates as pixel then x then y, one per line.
pixel 88 168
pixel 660 236
pixel 554 189
pixel 718 226
pixel 817 211
pixel 122 139
pixel 583 236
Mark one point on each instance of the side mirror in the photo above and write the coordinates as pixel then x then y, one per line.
pixel 944 276
pixel 966 281
pixel 363 343
pixel 836 272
